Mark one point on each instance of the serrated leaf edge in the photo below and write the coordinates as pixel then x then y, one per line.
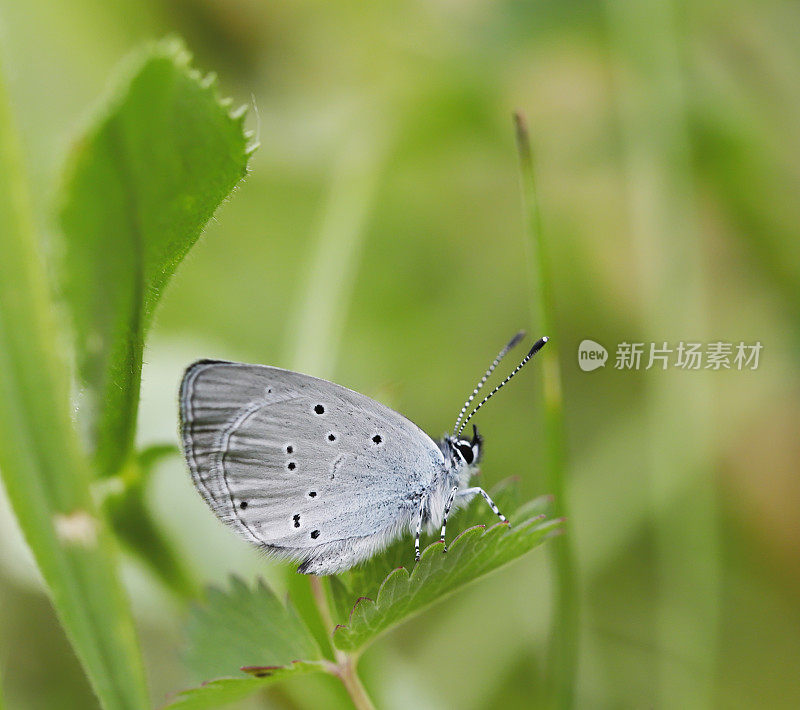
pixel 524 527
pixel 170 48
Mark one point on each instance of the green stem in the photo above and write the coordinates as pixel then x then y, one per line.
pixel 352 683
pixel 43 467
pixel 563 642
pixel 323 308
pixel 321 601
pixel 345 667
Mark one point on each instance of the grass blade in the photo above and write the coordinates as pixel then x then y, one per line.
pixel 44 471
pixel 333 266
pixel 563 644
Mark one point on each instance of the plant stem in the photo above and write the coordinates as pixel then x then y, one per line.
pixel 322 310
pixel 43 467
pixel 563 643
pixel 321 601
pixel 345 667
pixel 352 683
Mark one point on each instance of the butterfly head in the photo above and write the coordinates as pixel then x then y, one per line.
pixel 466 450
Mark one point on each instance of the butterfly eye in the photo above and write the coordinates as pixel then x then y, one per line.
pixel 466 451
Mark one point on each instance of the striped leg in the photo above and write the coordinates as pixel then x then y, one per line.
pixel 477 489
pixel 418 530
pixel 446 513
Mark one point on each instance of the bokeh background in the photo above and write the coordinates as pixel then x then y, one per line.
pixel 379 241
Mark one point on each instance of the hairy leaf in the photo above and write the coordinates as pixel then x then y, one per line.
pixel 141 184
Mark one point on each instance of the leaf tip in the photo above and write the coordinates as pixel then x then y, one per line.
pixel 173 47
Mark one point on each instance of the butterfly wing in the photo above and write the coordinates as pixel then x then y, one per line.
pixel 304 467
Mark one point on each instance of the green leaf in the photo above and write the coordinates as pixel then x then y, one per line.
pixel 246 633
pixel 366 579
pixel 246 627
pixel 474 553
pixel 43 467
pixel 218 693
pixel 140 186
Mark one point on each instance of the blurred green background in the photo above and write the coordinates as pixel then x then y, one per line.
pixel 379 241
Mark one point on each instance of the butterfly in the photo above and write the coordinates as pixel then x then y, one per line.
pixel 314 472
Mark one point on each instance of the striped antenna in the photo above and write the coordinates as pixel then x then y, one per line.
pixel 537 346
pixel 511 343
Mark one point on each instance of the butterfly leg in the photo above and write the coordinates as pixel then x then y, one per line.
pixel 418 531
pixel 478 489
pixel 446 513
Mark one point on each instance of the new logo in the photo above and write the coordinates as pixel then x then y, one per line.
pixel 591 355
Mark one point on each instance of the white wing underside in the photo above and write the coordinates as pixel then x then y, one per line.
pixel 306 468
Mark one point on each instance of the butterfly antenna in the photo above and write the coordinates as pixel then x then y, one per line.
pixel 537 346
pixel 511 343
